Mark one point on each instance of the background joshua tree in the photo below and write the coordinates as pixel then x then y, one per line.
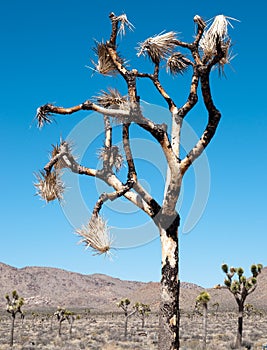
pixel 143 311
pixel 13 306
pixel 202 300
pixel 215 309
pixel 209 49
pixel 240 288
pixel 124 305
pixel 62 315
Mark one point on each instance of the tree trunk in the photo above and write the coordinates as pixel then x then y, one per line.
pixel 12 331
pixel 169 309
pixel 59 328
pixel 143 321
pixel 240 326
pixel 126 327
pixel 205 309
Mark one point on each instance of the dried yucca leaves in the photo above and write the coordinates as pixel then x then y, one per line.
pixel 124 22
pixel 105 64
pixel 43 115
pixel 96 235
pixel 64 161
pixel 49 186
pixel 177 63
pixel 112 99
pixel 158 47
pixel 113 156
pixel 216 33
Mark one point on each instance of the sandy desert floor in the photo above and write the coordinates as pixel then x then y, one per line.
pixel 106 332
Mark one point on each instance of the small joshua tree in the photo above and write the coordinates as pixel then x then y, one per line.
pixel 62 315
pixel 240 288
pixel 202 300
pixel 143 311
pixel 216 308
pixel 124 305
pixel 13 306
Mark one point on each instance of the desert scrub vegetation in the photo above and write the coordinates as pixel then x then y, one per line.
pixel 104 331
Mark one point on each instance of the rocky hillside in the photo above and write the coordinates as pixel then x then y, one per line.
pixel 49 287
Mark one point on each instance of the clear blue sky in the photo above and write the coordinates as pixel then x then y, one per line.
pixel 45 48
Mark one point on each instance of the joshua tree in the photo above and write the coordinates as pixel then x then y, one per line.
pixel 13 306
pixel 143 311
pixel 240 288
pixel 216 308
pixel 62 315
pixel 124 305
pixel 210 48
pixel 202 300
pixel 249 309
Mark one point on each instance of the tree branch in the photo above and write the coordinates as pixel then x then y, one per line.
pixel 111 196
pixel 213 121
pixel 45 111
pixel 128 153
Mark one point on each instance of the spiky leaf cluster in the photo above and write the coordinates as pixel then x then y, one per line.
pixel 14 303
pixel 49 186
pixel 124 22
pixel 158 47
pixel 96 235
pixel 232 270
pixel 225 268
pixel 105 64
pixel 227 282
pixel 113 155
pixel 124 303
pixel 256 269
pixel 216 37
pixel 177 63
pixel 242 284
pixel 203 298
pixel 142 309
pixel 112 99
pixel 240 271
pixel 235 287
pixel 43 115
pixel 66 159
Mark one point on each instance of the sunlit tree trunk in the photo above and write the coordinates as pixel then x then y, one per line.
pixel 169 307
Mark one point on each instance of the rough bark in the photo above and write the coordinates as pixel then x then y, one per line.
pixel 169 315
pixel 238 342
pixel 12 330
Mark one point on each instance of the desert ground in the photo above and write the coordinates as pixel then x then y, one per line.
pixel 105 331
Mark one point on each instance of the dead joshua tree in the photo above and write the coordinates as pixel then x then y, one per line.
pixel 240 288
pixel 13 306
pixel 209 49
pixel 124 305
pixel 202 300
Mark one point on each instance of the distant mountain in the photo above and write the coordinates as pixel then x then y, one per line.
pixel 46 287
